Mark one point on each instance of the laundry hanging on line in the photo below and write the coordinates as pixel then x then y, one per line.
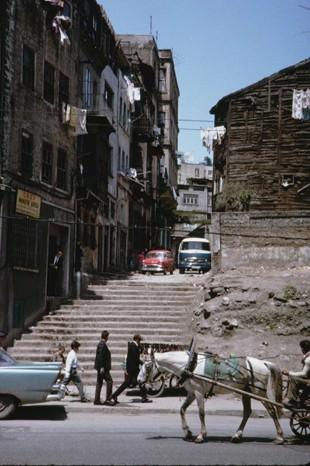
pixel 210 136
pixel 75 117
pixel 301 104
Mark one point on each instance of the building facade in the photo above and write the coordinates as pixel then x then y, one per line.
pixel 82 154
pixel 261 206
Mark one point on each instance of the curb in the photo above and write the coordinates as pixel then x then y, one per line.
pixel 133 410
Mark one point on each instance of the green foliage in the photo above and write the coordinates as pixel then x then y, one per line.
pixel 290 292
pixel 235 198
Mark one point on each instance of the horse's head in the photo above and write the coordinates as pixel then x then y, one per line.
pixel 148 371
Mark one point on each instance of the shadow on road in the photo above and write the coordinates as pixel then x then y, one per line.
pixel 40 413
pixel 167 392
pixel 216 439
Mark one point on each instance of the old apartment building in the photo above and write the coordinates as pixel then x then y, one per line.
pixel 81 150
pixel 262 172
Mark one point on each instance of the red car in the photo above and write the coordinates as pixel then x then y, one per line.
pixel 158 260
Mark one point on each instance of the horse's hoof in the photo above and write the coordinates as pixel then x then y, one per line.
pixel 279 441
pixel 236 439
pixel 189 437
pixel 200 439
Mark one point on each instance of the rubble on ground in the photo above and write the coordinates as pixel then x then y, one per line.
pixel 262 313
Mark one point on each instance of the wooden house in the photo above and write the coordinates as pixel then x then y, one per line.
pixel 262 171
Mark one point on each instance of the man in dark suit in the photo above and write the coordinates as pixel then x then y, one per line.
pixel 56 273
pixel 132 370
pixel 103 367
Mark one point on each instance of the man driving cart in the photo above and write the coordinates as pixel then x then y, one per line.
pixel 300 380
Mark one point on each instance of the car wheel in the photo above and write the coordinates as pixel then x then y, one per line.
pixel 8 405
pixel 181 271
pixel 171 272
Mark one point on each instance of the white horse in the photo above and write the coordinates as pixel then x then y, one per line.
pixel 254 376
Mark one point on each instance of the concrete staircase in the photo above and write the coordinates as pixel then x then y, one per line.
pixel 159 311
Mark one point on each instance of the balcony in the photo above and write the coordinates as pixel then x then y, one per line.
pixel 99 116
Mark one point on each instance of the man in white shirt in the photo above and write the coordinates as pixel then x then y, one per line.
pixel 71 370
pixel 296 378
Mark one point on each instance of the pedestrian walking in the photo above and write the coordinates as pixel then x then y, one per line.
pixel 103 368
pixel 59 354
pixel 3 336
pixel 133 363
pixel 71 370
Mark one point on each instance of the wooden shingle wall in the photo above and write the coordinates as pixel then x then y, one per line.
pixel 265 145
pixel 266 152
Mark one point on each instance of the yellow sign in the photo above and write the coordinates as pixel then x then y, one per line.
pixel 28 204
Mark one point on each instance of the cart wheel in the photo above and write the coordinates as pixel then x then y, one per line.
pixel 300 423
pixel 155 388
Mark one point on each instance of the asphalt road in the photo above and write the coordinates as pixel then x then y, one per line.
pixel 47 435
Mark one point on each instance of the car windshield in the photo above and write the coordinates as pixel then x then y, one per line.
pixel 6 359
pixel 196 245
pixel 155 255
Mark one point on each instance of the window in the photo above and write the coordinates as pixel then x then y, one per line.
pixel 190 199
pixel 112 209
pixel 108 96
pixel 120 110
pixel 197 172
pixel 162 80
pixel 87 88
pixel 123 160
pixel 28 67
pixel 49 82
pixel 110 161
pixel 66 11
pixel 63 88
pixel 61 178
pixel 161 119
pixel 47 163
pixel 25 244
pixel 119 160
pixel 124 115
pixel 26 160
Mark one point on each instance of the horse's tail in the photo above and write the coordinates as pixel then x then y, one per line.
pixel 274 385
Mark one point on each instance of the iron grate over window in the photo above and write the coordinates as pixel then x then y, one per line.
pixel 24 245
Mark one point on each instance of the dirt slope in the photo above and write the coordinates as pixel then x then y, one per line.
pixel 262 313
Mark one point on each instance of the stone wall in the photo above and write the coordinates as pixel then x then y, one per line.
pixel 280 239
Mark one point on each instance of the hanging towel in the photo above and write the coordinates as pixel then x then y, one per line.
pixel 78 120
pixel 301 104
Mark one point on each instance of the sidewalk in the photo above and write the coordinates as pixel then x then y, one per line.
pixel 130 403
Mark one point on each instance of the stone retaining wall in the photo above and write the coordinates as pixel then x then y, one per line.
pixel 269 239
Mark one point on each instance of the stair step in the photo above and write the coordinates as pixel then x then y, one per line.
pixel 159 311
pixel 23 346
pixel 105 318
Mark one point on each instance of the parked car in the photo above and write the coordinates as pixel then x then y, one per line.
pixel 158 260
pixel 27 382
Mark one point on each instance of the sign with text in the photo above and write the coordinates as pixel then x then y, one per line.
pixel 28 204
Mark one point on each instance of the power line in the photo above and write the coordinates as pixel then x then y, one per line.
pixel 192 120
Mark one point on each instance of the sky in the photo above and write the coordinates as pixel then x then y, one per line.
pixel 219 46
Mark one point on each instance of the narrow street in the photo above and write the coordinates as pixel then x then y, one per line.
pixel 46 435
